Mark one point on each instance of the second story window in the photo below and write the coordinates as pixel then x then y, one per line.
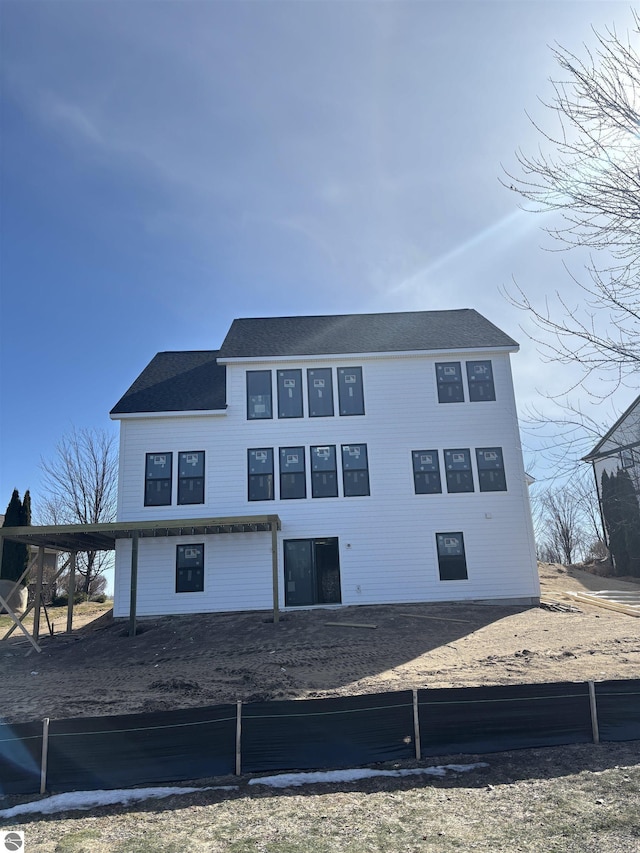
pixel 480 378
pixel 259 395
pixel 426 472
pixel 320 392
pixel 324 477
pixel 191 477
pixel 491 469
pixel 289 393
pixel 355 470
pixel 449 378
pixel 260 462
pixel 350 391
pixel 293 478
pixel 157 479
pixel 458 468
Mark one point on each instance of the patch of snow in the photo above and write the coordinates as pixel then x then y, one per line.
pixel 287 780
pixel 92 799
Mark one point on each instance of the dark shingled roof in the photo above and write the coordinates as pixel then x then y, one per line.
pixel 353 333
pixel 175 382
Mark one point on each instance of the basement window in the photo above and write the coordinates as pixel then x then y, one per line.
pixel 452 562
pixel 190 568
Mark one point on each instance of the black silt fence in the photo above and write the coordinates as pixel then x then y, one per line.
pixel 618 704
pixel 494 719
pixel 20 757
pixel 335 732
pixel 138 749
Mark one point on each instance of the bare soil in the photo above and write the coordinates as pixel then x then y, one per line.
pixel 187 661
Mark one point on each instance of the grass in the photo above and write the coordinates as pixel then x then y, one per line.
pixel 581 798
pixel 82 613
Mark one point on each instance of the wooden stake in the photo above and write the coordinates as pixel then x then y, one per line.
pixel 238 738
pixel 438 618
pixel 416 726
pixel 274 570
pixel 71 591
pixel 38 595
pixel 351 624
pixel 45 754
pixel 134 584
pixel 18 624
pixel 594 712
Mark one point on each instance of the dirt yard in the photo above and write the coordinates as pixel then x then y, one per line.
pixel 178 662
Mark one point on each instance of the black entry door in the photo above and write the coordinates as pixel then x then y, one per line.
pixel 311 572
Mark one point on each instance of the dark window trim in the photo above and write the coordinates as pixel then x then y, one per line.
pixel 183 480
pixel 251 417
pixel 180 568
pixel 418 475
pixel 282 473
pixel 168 479
pixel 279 373
pixel 320 471
pixel 346 490
pixel 251 450
pixel 452 565
pixel 360 372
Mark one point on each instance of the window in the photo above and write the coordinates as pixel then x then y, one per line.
pixel 426 472
pixel 191 477
pixel 627 458
pixel 350 391
pixel 458 467
pixel 324 477
pixel 289 393
pixel 157 482
pixel 261 474
pixel 258 394
pixel 491 469
pixel 320 392
pixel 293 479
pixel 449 377
pixel 355 470
pixel 480 377
pixel 190 568
pixel 451 559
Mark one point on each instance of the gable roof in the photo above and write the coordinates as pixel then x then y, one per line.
pixel 624 433
pixel 177 382
pixel 407 331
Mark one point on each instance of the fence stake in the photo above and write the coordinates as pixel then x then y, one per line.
pixel 45 753
pixel 238 738
pixel 416 726
pixel 594 712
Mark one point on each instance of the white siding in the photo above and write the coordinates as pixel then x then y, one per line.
pixel 386 540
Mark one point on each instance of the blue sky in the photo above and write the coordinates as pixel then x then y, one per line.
pixel 168 166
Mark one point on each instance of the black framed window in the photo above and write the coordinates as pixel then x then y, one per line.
pixel 191 477
pixel 320 392
pixel 480 379
pixel 289 393
pixel 628 457
pixel 259 395
pixel 449 378
pixel 260 464
pixel 457 465
pixel 157 479
pixel 190 568
pixel 324 475
pixel 426 472
pixel 355 470
pixel 350 391
pixel 452 561
pixel 491 469
pixel 293 477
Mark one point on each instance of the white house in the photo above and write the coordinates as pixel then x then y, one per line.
pixel 386 445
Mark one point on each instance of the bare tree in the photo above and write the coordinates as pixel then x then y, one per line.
pixel 588 170
pixel 80 485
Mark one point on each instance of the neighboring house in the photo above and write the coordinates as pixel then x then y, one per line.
pixel 386 444
pixel 616 466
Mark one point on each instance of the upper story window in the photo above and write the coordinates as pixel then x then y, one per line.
pixel 293 478
pixel 259 394
pixel 426 472
pixel 355 470
pixel 190 568
pixel 289 393
pixel 260 463
pixel 157 479
pixel 320 392
pixel 324 476
pixel 491 469
pixel 452 562
pixel 480 378
pixel 449 378
pixel 628 457
pixel 350 391
pixel 458 469
pixel 191 477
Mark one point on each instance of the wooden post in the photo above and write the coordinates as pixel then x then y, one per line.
pixel 238 738
pixel 274 569
pixel 71 591
pixel 134 584
pixel 18 624
pixel 416 726
pixel 38 595
pixel 45 754
pixel 594 712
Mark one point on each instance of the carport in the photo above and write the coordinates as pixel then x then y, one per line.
pixel 75 538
